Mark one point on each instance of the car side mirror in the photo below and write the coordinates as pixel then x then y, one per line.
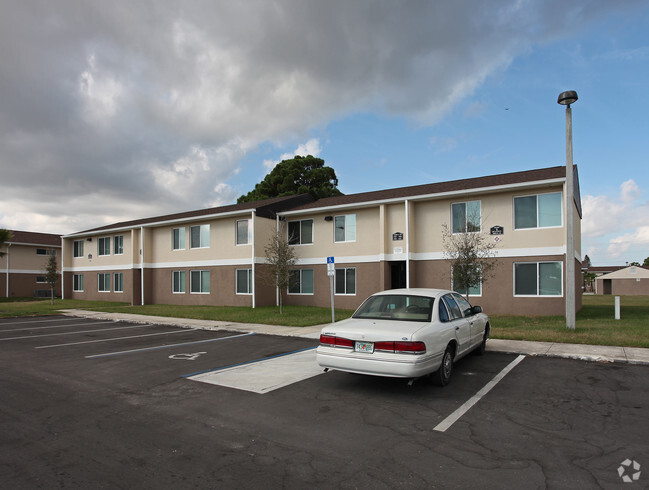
pixel 476 309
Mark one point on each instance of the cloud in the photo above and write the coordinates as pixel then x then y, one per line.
pixel 151 107
pixel 311 147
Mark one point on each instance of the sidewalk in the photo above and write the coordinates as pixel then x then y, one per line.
pixel 596 353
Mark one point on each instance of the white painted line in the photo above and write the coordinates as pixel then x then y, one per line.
pixel 71 333
pixel 167 346
pixel 265 375
pixel 56 326
pixel 455 416
pixel 110 340
pixel 20 322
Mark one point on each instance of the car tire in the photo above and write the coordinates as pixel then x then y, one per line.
pixel 442 376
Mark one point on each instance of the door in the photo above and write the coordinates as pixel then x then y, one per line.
pixel 460 324
pixel 608 286
pixel 398 275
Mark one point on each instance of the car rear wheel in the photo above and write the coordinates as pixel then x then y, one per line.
pixel 480 350
pixel 442 376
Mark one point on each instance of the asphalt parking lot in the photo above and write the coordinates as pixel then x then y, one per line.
pixel 88 403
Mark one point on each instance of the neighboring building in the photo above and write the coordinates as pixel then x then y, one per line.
pixel 22 268
pixel 379 240
pixel 632 281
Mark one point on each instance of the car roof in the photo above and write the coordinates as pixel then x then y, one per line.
pixel 414 291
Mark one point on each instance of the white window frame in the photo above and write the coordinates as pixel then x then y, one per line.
pixel 182 233
pixel 349 229
pixel 101 282
pixel 538 279
pixel 41 280
pixel 479 294
pixel 538 213
pixel 77 283
pixel 301 282
pixel 182 286
pixel 77 248
pixel 248 232
pixel 203 236
pixel 466 217
pixel 118 244
pixel 191 283
pixel 301 240
pixel 344 270
pixel 118 282
pixel 101 246
pixel 248 281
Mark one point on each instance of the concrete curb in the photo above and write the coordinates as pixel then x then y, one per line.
pixel 592 353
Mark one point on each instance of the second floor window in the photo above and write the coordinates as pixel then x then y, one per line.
pixel 539 211
pixel 243 232
pixel 103 246
pixel 466 217
pixel 345 228
pixel 178 240
pixel 300 232
pixel 118 245
pixel 200 236
pixel 77 248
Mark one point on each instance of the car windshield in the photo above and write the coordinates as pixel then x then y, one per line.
pixel 396 307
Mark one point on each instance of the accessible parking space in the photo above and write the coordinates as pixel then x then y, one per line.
pixel 206 409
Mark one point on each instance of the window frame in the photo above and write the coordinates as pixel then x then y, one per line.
pixel 203 236
pixel 249 282
pixel 248 231
pixel 538 279
pixel 118 282
pixel 77 280
pixel 346 226
pixel 538 211
pixel 182 284
pixel 118 245
pixel 479 287
pixel 301 273
pixel 466 217
pixel 191 282
pixel 300 238
pixel 346 270
pixel 101 282
pixel 77 248
pixel 101 246
pixel 182 238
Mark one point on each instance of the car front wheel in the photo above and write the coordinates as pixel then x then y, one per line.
pixel 442 376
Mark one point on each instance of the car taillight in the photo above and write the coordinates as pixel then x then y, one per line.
pixel 333 341
pixel 401 347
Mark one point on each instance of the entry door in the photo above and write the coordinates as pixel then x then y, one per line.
pixel 608 286
pixel 397 275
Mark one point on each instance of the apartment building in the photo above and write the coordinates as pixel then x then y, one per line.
pixel 378 240
pixel 22 267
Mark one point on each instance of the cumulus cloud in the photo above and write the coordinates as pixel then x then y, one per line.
pixel 311 147
pixel 150 107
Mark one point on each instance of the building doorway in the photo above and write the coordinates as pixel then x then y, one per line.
pixel 398 274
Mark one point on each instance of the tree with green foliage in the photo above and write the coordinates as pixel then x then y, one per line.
pixel 280 257
pixel 646 262
pixel 5 236
pixel 51 275
pixel 298 175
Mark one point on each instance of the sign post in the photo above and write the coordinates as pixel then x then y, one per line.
pixel 331 272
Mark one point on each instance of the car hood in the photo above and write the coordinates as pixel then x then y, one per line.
pixel 373 330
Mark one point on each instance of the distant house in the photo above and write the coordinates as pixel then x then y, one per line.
pixel 22 268
pixel 378 240
pixel 632 281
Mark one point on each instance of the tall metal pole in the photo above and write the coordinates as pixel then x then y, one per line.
pixel 570 227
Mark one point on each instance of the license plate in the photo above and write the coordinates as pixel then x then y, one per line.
pixel 364 347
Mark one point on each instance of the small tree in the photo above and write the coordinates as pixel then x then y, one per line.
pixel 51 275
pixel 281 258
pixel 470 255
pixel 5 236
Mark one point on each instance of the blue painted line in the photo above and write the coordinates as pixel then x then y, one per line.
pixel 246 362
pixel 168 346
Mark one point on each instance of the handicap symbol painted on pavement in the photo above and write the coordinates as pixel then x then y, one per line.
pixel 187 357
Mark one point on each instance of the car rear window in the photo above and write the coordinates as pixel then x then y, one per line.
pixel 396 307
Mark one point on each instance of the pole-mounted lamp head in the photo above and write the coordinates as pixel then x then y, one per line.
pixel 567 98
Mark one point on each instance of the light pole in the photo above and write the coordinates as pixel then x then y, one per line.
pixel 567 98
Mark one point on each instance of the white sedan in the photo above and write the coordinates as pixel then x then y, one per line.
pixel 405 333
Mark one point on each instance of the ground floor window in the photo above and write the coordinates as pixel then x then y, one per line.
pixel 179 281
pixel 301 281
pixel 346 280
pixel 475 290
pixel 119 282
pixel 244 281
pixel 77 282
pixel 103 281
pixel 538 279
pixel 199 281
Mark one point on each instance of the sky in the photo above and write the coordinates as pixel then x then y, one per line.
pixel 119 110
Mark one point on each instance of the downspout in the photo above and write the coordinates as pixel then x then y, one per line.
pixel 276 287
pixel 62 275
pixel 142 265
pixel 407 203
pixel 252 239
pixel 8 246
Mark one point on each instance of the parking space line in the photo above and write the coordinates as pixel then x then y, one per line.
pixel 20 322
pixel 71 333
pixel 110 340
pixel 465 407
pixel 54 326
pixel 167 346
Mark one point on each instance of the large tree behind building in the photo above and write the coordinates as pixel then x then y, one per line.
pixel 5 236
pixel 298 175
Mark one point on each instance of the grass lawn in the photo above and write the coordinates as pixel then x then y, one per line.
pixel 595 322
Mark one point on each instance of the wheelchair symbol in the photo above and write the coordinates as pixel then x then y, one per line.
pixel 187 357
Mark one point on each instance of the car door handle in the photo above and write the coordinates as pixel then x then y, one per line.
pixel 457 328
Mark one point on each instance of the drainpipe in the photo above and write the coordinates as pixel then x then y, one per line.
pixel 8 246
pixel 407 203
pixel 252 239
pixel 62 275
pixel 142 265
